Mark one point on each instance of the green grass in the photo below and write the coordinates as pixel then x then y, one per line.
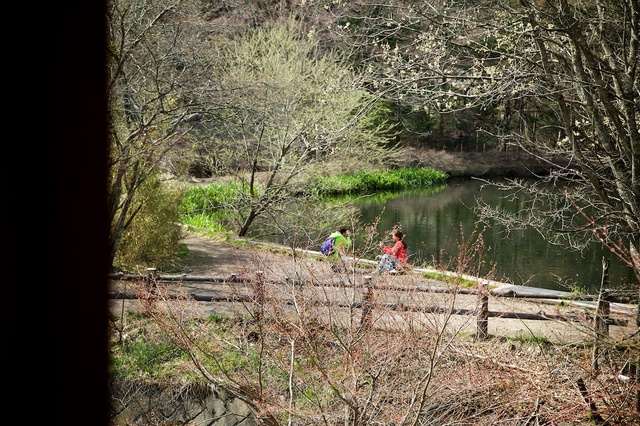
pixel 204 208
pixel 211 222
pixel 450 279
pixel 366 182
pixel 215 318
pixel 530 338
pixel 145 358
pixel 199 200
pixel 231 361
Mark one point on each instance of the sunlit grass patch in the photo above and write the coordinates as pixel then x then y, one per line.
pixel 365 182
pixel 530 338
pixel 450 279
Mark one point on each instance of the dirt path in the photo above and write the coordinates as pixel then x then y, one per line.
pixel 218 258
pixel 215 257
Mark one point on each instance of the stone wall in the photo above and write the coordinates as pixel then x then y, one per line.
pixel 145 403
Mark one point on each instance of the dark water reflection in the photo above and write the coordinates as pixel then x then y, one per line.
pixel 433 222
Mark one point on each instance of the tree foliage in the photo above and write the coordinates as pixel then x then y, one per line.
pixel 555 78
pixel 267 104
pixel 149 110
pixel 152 238
pixel 561 80
pixel 287 110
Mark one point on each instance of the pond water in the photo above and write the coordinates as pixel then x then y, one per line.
pixel 433 221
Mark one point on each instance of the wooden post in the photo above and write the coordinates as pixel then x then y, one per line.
pixel 367 305
pixel 150 279
pixel 603 313
pixel 151 283
pixel 258 312
pixel 601 322
pixel 483 312
pixel 124 319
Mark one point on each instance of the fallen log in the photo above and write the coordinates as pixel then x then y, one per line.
pixel 119 295
pixel 175 278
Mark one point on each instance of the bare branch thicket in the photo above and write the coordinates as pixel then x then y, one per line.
pixel 307 359
pixel 310 361
pixel 153 102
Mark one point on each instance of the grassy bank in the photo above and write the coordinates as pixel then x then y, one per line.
pixel 367 182
pixel 206 206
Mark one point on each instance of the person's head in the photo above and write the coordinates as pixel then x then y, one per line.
pixel 344 231
pixel 397 235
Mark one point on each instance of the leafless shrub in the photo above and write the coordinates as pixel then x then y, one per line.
pixel 304 355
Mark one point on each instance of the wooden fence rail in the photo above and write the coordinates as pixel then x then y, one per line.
pixel 233 278
pixel 368 304
pixel 601 320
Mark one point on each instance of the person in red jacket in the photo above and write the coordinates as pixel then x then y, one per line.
pixel 397 254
